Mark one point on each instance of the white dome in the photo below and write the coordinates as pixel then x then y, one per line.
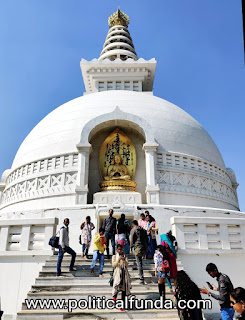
pixel 188 167
pixel 174 129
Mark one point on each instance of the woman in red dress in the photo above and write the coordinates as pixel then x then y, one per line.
pixel 172 254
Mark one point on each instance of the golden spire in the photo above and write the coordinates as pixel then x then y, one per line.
pixel 118 18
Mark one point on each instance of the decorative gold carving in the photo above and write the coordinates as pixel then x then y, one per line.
pixel 117 162
pixel 118 185
pixel 118 18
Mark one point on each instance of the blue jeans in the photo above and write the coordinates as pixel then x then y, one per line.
pixel 227 313
pixel 60 258
pixel 97 255
pixel 109 236
pixel 85 248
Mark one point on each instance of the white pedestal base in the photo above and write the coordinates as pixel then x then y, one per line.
pixel 125 197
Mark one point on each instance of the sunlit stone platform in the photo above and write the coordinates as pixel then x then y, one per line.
pixel 123 196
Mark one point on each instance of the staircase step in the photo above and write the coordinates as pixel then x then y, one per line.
pixel 99 292
pixel 87 266
pixel 84 280
pixel 87 274
pixel 92 287
pixel 88 261
pixel 67 257
pixel 97 314
pixel 81 283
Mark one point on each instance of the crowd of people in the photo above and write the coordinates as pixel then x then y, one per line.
pixel 139 238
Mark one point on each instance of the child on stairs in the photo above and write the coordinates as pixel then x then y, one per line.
pixel 99 249
pixel 162 268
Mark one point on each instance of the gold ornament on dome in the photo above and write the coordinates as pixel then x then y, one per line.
pixel 118 18
pixel 117 162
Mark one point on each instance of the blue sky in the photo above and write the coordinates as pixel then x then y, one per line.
pixel 198 46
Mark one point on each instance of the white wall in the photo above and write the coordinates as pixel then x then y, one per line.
pixel 176 198
pixel 17 275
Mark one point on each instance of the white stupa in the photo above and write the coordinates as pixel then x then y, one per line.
pixel 180 174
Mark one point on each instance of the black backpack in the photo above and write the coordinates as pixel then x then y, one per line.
pixel 54 241
pixel 142 235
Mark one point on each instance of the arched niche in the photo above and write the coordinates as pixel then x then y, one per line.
pixel 94 133
pixel 97 139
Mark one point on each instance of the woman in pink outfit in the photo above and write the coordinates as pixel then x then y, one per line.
pixel 142 221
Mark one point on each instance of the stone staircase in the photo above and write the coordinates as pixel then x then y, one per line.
pixel 81 283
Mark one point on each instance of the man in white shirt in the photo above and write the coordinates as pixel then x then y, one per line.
pixel 64 247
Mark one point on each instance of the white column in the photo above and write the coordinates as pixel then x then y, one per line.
pixel 4 238
pixel 152 188
pixel 82 176
pixel 224 236
pixel 203 238
pixel 25 238
pixel 140 86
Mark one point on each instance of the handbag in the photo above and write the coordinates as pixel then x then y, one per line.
pixel 166 266
pixel 80 239
pixel 54 241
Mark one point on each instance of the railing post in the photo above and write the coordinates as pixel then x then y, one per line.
pixel 25 238
pixel 203 239
pixel 4 238
pixel 224 236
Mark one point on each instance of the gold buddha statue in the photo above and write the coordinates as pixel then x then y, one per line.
pixel 115 174
pixel 117 171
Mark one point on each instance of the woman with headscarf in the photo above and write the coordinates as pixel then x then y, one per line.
pixel 172 255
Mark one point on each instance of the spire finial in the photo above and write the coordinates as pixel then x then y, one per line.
pixel 118 18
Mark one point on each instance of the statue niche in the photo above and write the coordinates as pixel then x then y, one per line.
pixel 117 162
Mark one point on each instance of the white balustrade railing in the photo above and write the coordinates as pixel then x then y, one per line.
pixel 42 167
pixel 26 236
pixel 209 235
pixel 176 160
pixel 178 173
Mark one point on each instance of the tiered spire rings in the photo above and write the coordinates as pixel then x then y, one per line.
pixel 118 43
